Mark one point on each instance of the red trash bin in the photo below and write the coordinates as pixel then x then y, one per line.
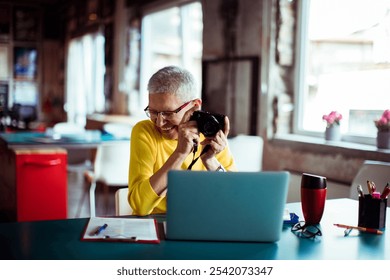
pixel 41 184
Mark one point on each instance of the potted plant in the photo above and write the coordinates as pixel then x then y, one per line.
pixel 383 126
pixel 332 131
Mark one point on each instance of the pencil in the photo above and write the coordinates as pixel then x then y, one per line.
pixel 369 187
pixel 370 230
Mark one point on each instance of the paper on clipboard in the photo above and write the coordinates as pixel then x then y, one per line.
pixel 122 229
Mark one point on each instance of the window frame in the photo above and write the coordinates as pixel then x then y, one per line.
pixel 300 74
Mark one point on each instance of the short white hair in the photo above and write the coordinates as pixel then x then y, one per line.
pixel 173 80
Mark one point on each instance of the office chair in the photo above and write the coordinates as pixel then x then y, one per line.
pixel 247 151
pixel 122 206
pixel 376 171
pixel 111 168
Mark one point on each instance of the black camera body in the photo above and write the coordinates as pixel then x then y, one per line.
pixel 208 124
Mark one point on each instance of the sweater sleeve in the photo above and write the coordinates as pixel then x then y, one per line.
pixel 142 198
pixel 226 159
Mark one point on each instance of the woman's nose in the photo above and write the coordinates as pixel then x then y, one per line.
pixel 160 121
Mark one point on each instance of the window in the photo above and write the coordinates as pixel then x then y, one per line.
pixel 172 36
pixel 85 77
pixel 343 65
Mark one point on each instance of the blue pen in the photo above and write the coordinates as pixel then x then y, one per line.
pixel 100 229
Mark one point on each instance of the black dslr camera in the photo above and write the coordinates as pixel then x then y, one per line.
pixel 208 124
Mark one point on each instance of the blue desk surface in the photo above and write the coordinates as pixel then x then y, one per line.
pixel 60 239
pixel 89 138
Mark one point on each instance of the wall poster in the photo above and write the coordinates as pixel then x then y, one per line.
pixel 25 63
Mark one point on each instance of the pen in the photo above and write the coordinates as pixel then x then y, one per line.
pixel 373 187
pixel 100 229
pixel 360 190
pixel 370 187
pixel 370 230
pixel 386 191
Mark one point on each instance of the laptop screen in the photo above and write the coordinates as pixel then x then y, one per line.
pixel 226 206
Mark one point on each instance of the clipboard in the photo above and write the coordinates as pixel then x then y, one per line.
pixel 112 229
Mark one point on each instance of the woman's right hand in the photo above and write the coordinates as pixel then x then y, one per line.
pixel 188 134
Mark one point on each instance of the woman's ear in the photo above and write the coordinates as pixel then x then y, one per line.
pixel 198 102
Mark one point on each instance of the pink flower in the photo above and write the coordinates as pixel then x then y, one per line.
pixel 334 117
pixel 386 114
pixel 383 124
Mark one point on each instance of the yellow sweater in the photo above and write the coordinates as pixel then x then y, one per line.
pixel 149 151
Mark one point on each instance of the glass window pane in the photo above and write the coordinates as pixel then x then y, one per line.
pixel 164 40
pixel 171 37
pixel 85 82
pixel 348 64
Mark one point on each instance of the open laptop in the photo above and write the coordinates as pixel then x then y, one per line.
pixel 226 206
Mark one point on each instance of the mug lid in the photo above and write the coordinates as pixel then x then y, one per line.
pixel 311 181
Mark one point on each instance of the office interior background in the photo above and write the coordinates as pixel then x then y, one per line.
pixel 275 67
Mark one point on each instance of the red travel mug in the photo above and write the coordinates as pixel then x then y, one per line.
pixel 313 196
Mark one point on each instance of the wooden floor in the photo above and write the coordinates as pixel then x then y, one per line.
pixel 78 196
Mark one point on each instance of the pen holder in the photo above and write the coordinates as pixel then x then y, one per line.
pixel 372 212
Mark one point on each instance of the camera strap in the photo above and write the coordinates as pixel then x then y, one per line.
pixel 194 150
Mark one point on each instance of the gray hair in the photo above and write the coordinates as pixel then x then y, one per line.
pixel 173 80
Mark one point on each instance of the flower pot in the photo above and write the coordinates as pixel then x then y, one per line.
pixel 333 133
pixel 383 140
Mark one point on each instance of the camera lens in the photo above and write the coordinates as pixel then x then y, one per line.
pixel 211 126
pixel 208 124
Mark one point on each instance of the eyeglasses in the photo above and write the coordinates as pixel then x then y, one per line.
pixel 167 115
pixel 304 230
